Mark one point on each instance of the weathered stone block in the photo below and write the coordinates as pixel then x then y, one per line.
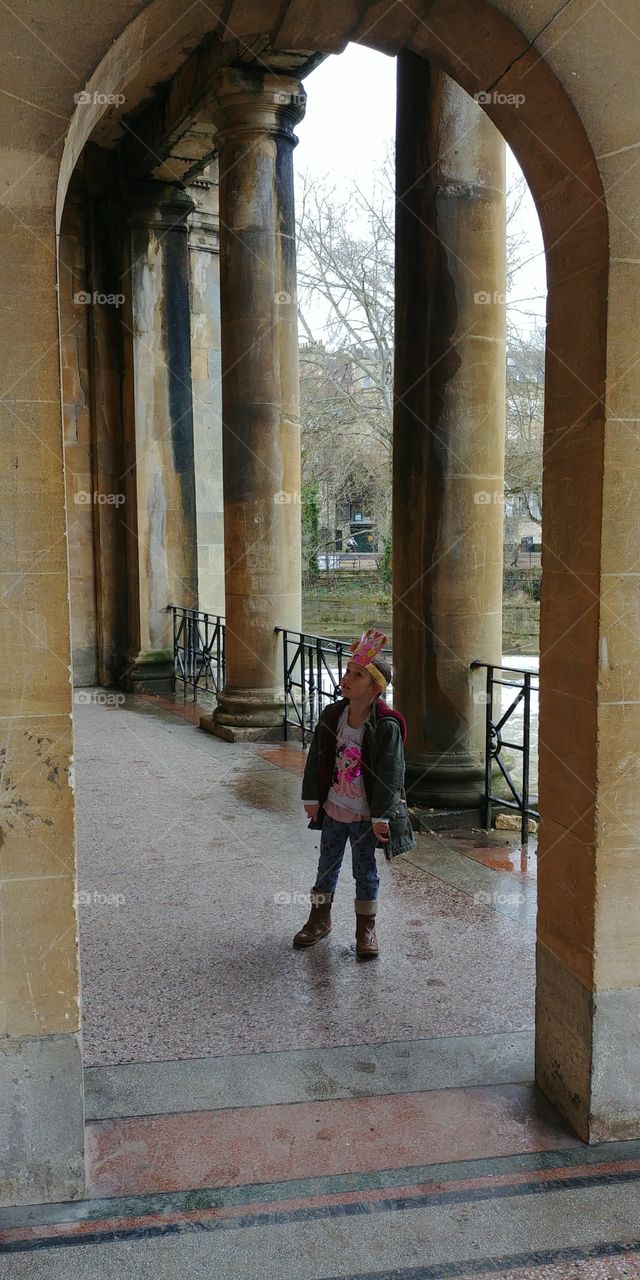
pixel 41 1120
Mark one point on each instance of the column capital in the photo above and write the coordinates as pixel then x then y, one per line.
pixel 249 101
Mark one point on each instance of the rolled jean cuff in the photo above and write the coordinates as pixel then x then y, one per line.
pixel 366 906
pixel 319 897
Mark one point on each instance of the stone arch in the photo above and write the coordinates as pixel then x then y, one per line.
pixel 584 945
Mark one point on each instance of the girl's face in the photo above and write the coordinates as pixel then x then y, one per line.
pixel 358 683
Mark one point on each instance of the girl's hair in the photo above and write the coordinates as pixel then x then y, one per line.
pixel 384 667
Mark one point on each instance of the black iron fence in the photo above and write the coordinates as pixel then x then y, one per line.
pixel 525 683
pixel 198 651
pixel 313 667
pixel 349 560
pixel 313 670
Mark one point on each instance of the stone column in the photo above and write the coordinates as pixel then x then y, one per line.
pixel 449 426
pixel 82 496
pixel 158 424
pixel 110 516
pixel 255 113
pixel 41 1108
pixel 204 279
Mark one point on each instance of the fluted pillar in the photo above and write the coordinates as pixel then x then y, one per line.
pixel 255 113
pixel 449 426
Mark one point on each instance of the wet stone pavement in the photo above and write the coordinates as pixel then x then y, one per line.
pixel 257 1111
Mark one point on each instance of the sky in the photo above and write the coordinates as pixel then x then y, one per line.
pixel 350 123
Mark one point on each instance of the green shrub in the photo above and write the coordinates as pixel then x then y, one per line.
pixel 385 563
pixel 310 529
pixel 533 585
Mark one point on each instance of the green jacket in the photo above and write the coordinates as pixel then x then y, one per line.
pixel 382 770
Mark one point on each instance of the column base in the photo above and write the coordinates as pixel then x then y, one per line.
pixel 435 781
pixel 428 820
pixel 247 715
pixel 41 1120
pixel 150 672
pixel 588 1052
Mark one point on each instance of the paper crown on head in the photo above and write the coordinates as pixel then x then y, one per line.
pixel 364 651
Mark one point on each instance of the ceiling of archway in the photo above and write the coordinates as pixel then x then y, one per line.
pixel 170 135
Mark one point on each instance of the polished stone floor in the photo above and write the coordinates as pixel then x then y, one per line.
pixel 195 866
pixel 255 1111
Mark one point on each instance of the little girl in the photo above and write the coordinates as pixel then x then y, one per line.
pixel 353 788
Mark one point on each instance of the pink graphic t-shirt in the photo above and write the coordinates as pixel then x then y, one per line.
pixel 347 798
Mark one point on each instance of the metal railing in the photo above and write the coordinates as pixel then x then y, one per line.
pixel 353 560
pixel 198 650
pixel 313 667
pixel 313 671
pixel 495 742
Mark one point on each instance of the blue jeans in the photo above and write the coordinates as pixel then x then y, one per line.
pixel 333 840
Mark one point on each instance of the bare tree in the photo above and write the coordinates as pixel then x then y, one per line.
pixel 525 410
pixel 346 286
pixel 346 294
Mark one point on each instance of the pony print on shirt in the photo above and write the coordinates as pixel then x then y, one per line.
pixel 347 772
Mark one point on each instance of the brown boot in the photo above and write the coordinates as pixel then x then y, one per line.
pixel 366 941
pixel 319 923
